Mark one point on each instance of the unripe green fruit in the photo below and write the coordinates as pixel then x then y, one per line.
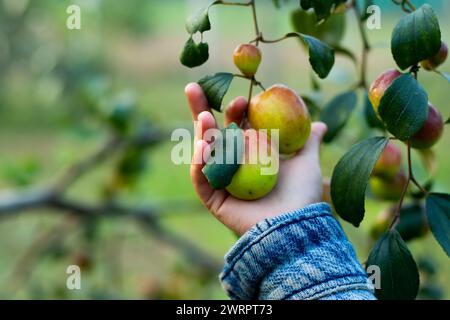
pixel 389 189
pixel 435 61
pixel 247 58
pixel 254 180
pixel 389 163
pixel 431 131
pixel 280 108
pixel 379 86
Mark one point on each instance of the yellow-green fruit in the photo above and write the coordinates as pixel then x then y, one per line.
pixel 247 58
pixel 438 59
pixel 280 108
pixel 389 189
pixel 258 173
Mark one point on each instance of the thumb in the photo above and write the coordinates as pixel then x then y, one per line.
pixel 312 147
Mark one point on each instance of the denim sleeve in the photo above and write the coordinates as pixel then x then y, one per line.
pixel 303 254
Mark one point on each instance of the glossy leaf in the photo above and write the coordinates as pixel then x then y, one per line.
pixel 416 37
pixel 306 4
pixel 398 270
pixel 199 22
pixel 438 214
pixel 336 114
pixel 350 178
pixel 228 151
pixel 321 55
pixel 194 55
pixel 215 87
pixel 404 107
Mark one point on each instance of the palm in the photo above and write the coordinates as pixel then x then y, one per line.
pixel 299 182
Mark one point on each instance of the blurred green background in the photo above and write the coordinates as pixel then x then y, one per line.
pixel 132 48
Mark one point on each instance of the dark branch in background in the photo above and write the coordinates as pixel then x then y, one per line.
pixel 366 47
pixel 148 217
pixel 54 199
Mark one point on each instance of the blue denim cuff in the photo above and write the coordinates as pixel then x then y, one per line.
pixel 302 254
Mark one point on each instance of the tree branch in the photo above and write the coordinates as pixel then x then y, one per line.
pixel 147 216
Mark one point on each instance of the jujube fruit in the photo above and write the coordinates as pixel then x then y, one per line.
pixel 431 131
pixel 438 59
pixel 389 189
pixel 379 86
pixel 389 162
pixel 280 108
pixel 251 181
pixel 247 58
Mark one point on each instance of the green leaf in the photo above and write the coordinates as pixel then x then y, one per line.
pixel 413 223
pixel 371 118
pixel 121 113
pixel 199 22
pixel 228 151
pixel 313 106
pixel 321 55
pixel 399 273
pixel 306 4
pixel 194 55
pixel 438 214
pixel 404 107
pixel 337 112
pixel 448 121
pixel 350 178
pixel 215 87
pixel 416 37
pixel 330 31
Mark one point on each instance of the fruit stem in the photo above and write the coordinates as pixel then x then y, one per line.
pixel 250 93
pixel 414 70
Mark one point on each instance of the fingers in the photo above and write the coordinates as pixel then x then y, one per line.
pixel 197 100
pixel 205 121
pixel 236 111
pixel 201 185
pixel 312 147
pixel 211 198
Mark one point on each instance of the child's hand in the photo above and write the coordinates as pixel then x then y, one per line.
pixel 299 183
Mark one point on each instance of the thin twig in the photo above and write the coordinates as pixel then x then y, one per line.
pixel 366 48
pixel 405 189
pixel 255 20
pixel 76 171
